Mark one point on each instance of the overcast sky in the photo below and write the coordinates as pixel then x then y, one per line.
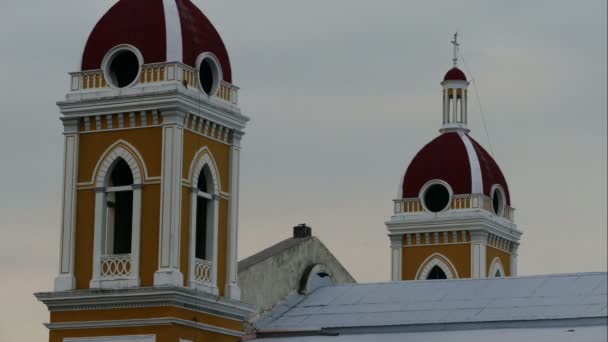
pixel 342 94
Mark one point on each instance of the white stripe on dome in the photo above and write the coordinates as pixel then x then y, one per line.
pixel 476 180
pixel 173 28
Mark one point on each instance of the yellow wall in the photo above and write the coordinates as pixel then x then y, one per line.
pixel 147 141
pixel 505 259
pixel 165 333
pixel 458 254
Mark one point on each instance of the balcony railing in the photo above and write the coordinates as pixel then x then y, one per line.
pixel 411 206
pixel 94 80
pixel 116 266
pixel 203 271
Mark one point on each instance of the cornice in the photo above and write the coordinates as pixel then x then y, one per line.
pixel 145 297
pixel 168 97
pixel 464 220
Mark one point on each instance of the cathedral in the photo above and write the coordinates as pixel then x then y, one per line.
pixel 148 249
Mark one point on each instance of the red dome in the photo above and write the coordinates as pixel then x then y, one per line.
pixel 162 30
pixel 455 74
pixel 458 160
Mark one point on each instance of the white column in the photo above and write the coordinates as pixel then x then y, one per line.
pixel 98 236
pixel 216 231
pixel 445 106
pixel 514 248
pixel 232 290
pixel 193 205
pixel 465 113
pixel 455 105
pixel 396 257
pixel 136 236
pixel 65 280
pixel 171 192
pixel 479 240
pixel 462 120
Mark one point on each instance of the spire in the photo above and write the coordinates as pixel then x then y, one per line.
pixel 456 45
pixel 455 95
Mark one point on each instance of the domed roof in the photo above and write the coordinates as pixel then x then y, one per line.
pixel 162 30
pixel 458 160
pixel 455 74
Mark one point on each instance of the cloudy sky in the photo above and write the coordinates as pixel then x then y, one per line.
pixel 342 94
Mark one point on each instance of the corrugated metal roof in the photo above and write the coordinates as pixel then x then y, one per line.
pixel 407 303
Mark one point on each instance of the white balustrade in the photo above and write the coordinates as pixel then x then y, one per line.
pixel 115 266
pixel 412 206
pixel 203 271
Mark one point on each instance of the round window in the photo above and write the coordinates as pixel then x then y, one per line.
pixel 498 201
pixel 208 75
pixel 436 198
pixel 123 68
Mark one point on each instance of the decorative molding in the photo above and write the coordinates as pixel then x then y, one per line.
pixel 439 260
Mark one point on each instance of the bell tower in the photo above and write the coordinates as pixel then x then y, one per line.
pixel 152 127
pixel 453 216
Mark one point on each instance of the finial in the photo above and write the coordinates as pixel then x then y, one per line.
pixel 456 45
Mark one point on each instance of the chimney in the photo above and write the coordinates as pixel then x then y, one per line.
pixel 302 231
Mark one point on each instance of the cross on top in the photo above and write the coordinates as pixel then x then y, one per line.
pixel 456 45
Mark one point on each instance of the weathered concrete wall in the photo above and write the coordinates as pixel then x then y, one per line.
pixel 267 282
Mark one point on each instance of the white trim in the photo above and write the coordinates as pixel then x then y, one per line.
pixel 439 260
pixel 140 323
pixel 496 265
pixel 428 185
pixel 216 70
pixel 125 338
pixel 173 28
pixel 130 150
pixel 109 57
pixel 476 179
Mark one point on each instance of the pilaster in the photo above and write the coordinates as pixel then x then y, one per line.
pixel 170 217
pixel 479 241
pixel 514 248
pixel 66 281
pixel 232 290
pixel 396 257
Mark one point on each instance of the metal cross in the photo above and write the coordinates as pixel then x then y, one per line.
pixel 456 45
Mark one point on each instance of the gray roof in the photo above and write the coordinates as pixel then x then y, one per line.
pixel 444 303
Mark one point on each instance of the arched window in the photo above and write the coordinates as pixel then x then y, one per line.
pixel 436 273
pixel 496 269
pixel 119 202
pixel 436 266
pixel 118 195
pixel 204 213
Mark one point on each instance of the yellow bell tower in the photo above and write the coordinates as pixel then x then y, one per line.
pixel 453 216
pixel 152 130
